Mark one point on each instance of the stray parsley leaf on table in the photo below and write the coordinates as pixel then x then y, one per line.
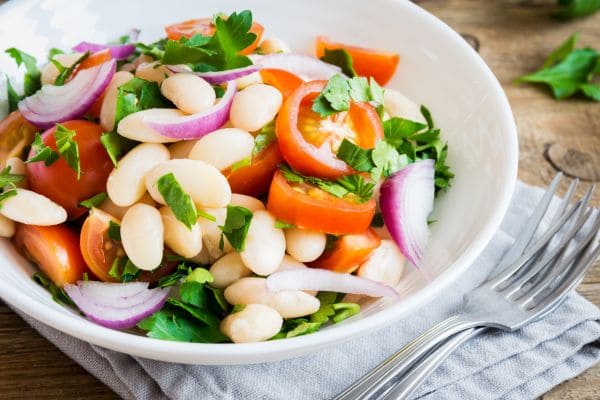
pixel 576 8
pixel 568 71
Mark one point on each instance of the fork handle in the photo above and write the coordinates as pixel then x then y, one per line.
pixel 403 388
pixel 402 360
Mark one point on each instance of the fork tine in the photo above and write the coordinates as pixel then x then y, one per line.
pixel 533 268
pixel 560 270
pixel 526 234
pixel 533 250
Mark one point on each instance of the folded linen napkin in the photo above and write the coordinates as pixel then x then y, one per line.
pixel 519 365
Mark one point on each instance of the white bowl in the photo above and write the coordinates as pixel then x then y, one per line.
pixel 437 68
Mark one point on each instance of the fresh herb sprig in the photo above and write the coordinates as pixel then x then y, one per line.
pixel 569 71
pixel 67 148
pixel 569 9
pixel 235 228
pixel 340 91
pixel 32 77
pixel 138 95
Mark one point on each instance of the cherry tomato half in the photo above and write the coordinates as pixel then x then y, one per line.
pixel 378 64
pixel 59 182
pixel 348 252
pixel 15 134
pixel 284 81
pixel 54 248
pixel 309 142
pixel 206 27
pixel 254 179
pixel 309 207
pixel 99 251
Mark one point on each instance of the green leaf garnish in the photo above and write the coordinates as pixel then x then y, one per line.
pixel 340 91
pixel 171 324
pixel 356 157
pixel 68 148
pixel 568 71
pixel 137 95
pixel 241 164
pixel 342 59
pixel 7 194
pixel 13 96
pixel 58 294
pixel 576 8
pixel 116 145
pixel 42 152
pixel 114 231
pixel 94 201
pixel 32 78
pixel 279 224
pixel 6 178
pixel 237 223
pixel 178 201
pixel 200 275
pixel 265 137
pixel 65 73
pixel 181 272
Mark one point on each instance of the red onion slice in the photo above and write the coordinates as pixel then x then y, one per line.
pixel 406 200
pixel 308 68
pixel 218 77
pixel 117 51
pixel 196 125
pixel 107 308
pixel 325 280
pixel 53 104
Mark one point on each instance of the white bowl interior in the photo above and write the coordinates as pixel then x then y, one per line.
pixel 437 68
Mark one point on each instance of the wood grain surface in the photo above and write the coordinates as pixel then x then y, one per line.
pixel 513 37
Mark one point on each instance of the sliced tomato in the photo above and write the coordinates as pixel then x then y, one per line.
pixel 254 179
pixel 206 27
pixel 59 182
pixel 348 252
pixel 378 64
pixel 15 135
pixel 309 142
pixel 309 207
pixel 55 249
pixel 99 251
pixel 284 81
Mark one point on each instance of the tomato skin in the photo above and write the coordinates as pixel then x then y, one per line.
pixel 284 81
pixel 323 212
pixel 206 27
pixel 98 250
pixel 255 179
pixel 378 64
pixel 15 134
pixel 55 249
pixel 59 182
pixel 348 252
pixel 318 159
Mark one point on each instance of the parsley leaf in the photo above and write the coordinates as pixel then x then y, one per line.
pixel 200 275
pixel 155 50
pixel 114 231
pixel 94 201
pixel 13 96
pixel 32 78
pixel 137 95
pixel 568 71
pixel 358 185
pixel 237 223
pixel 279 224
pixel 7 194
pixel 265 137
pixel 58 294
pixel 42 152
pixel 178 201
pixel 342 59
pixel 576 8
pixel 387 160
pixel 116 145
pixel 130 272
pixel 340 91
pixel 356 157
pixel 171 324
pixel 6 178
pixel 170 280
pixel 68 148
pixel 65 73
pixel 241 164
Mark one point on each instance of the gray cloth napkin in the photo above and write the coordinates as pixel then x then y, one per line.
pixel 519 365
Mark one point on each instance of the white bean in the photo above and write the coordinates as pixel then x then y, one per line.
pixel 255 106
pixel 288 303
pixel 398 105
pixel 227 270
pixel 126 183
pixel 211 233
pixel 7 227
pixel 133 126
pixel 17 166
pixel 304 245
pixel 385 264
pixel 265 244
pixel 274 45
pixel 181 149
pixel 142 235
pixel 31 208
pixel 223 148
pixel 255 323
pixel 50 72
pixel 190 93
pixel 183 241
pixel 250 79
pixel 251 203
pixel 152 71
pixel 116 211
pixel 109 104
pixel 204 183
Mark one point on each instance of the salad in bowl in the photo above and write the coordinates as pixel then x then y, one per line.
pixel 214 186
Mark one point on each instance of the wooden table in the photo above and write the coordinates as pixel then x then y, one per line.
pixel 513 37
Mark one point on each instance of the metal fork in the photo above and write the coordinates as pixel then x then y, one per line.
pixel 535 278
